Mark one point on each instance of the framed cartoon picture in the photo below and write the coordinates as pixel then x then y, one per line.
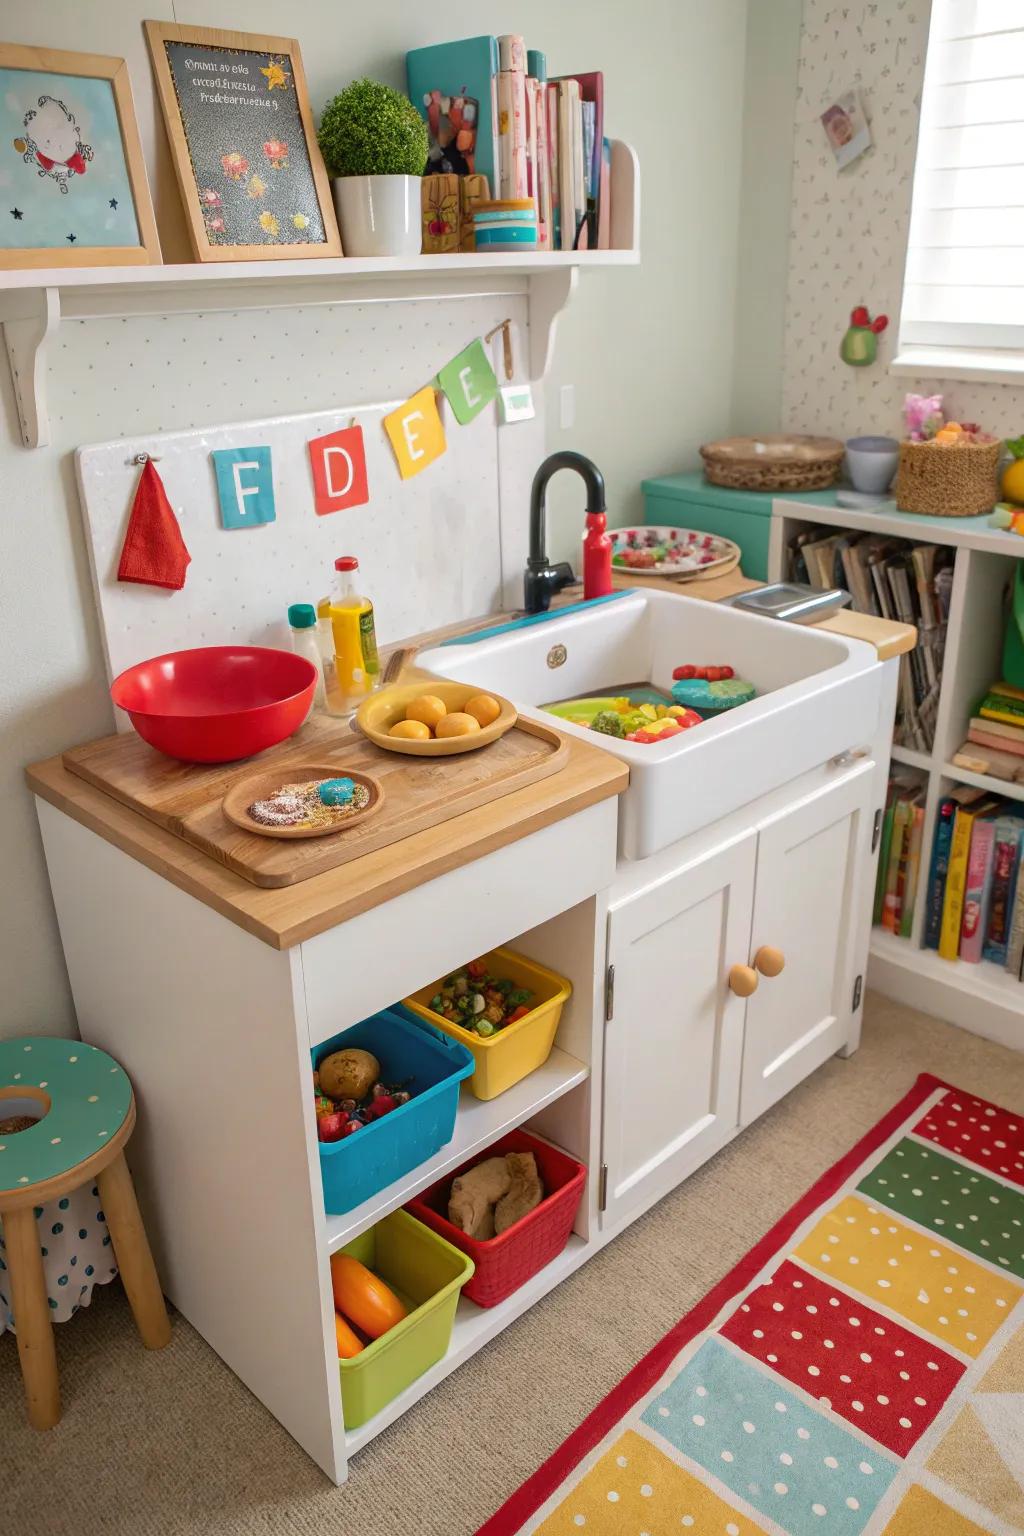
pixel 241 132
pixel 73 188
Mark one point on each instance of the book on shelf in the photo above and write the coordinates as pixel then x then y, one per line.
pixel 1014 962
pixel 899 856
pixel 978 889
pixel 956 875
pixel 1005 866
pixel 893 578
pixel 466 69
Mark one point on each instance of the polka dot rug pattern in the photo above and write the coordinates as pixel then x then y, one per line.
pixel 922 1279
pixel 770 1447
pixel 978 1131
pixel 888 1381
pixel 805 1406
pixel 635 1488
pixel 921 1184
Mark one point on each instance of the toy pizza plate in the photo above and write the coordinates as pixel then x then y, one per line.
pixel 650 550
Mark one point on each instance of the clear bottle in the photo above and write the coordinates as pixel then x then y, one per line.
pixel 302 622
pixel 356 663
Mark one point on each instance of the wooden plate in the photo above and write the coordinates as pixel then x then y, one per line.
pixel 383 709
pixel 259 786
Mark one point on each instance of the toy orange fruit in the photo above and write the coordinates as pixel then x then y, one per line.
pixel 363 1297
pixel 428 709
pixel 410 730
pixel 457 724
pixel 1013 475
pixel 484 709
pixel 349 1342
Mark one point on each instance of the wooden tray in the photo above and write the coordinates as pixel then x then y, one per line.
pixel 418 793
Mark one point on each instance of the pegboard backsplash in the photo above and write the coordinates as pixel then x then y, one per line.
pixel 429 548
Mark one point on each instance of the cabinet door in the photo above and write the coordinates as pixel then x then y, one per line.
pixel 811 863
pixel 673 1044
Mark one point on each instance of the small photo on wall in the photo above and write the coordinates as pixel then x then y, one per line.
pixel 846 128
pixel 73 187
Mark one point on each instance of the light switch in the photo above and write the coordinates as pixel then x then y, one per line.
pixel 567 407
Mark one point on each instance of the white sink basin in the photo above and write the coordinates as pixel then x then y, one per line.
pixel 818 695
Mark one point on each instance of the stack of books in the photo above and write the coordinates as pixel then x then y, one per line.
pixel 995 736
pixel 491 111
pixel 974 897
pixel 895 579
pixel 899 857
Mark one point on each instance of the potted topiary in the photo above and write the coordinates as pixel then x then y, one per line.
pixel 374 145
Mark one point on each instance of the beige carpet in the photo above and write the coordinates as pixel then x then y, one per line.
pixel 172 1443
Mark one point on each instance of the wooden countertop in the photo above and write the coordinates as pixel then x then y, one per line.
pixel 288 915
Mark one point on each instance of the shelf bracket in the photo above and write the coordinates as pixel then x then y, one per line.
pixel 28 323
pixel 550 292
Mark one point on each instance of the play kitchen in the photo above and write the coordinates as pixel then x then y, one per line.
pixel 430 915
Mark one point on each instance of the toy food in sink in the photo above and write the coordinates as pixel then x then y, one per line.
pixel 642 713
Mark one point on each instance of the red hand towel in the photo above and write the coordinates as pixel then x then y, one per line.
pixel 154 551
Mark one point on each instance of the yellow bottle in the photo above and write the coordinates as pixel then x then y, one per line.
pixel 356 664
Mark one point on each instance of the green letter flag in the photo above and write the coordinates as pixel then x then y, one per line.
pixel 469 382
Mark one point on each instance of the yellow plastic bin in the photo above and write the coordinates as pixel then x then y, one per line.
pixel 511 1053
pixel 427 1274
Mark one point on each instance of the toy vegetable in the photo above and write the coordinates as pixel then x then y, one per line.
pixel 362 1297
pixel 859 346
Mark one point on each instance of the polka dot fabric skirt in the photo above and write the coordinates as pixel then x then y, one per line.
pixel 861 1373
pixel 77 1255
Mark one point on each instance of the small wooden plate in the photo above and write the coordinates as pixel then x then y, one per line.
pixel 260 786
pixel 383 709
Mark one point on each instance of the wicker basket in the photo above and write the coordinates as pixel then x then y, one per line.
pixel 775 462
pixel 948 479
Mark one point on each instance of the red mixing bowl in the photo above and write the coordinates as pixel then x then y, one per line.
pixel 216 703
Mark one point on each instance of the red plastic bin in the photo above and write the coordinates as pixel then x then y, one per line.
pixel 506 1262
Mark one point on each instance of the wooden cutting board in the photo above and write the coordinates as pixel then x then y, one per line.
pixel 419 793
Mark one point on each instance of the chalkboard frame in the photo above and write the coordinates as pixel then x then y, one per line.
pixel 157 34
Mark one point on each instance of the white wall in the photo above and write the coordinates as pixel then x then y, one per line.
pixel 648 350
pixel 769 102
pixel 849 228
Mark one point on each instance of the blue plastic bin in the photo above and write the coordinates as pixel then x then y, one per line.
pixel 362 1165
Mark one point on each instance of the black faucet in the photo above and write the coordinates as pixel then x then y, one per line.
pixel 542 579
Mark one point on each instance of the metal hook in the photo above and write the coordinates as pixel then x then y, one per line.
pixel 143 458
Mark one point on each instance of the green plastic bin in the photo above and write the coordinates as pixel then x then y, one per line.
pixel 427 1274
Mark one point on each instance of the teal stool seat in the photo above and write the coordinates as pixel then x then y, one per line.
pixel 84 1111
pixel 88 1098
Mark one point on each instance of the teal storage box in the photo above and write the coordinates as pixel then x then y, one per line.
pixel 433 1066
pixel 689 501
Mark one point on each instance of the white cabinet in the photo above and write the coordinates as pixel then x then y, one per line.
pixel 809 879
pixel 687 1059
pixel 674 1040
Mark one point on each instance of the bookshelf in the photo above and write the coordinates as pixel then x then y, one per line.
pixel 982 998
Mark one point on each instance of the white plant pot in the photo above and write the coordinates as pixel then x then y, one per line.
pixel 379 215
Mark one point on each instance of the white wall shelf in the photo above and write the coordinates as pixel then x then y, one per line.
pixel 33 301
pixel 982 998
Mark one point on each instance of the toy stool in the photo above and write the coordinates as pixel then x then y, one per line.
pixel 84 1112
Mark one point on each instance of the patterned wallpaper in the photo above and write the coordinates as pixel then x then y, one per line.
pixel 849 228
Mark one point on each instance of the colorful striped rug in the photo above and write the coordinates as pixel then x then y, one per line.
pixel 860 1371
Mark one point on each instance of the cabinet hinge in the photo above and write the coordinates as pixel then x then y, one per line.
pixel 857 987
pixel 609 993
pixel 602 1187
pixel 876 830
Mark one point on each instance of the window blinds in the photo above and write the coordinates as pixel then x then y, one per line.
pixel 964 283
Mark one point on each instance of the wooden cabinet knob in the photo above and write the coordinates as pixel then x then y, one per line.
pixel 770 961
pixel 743 980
